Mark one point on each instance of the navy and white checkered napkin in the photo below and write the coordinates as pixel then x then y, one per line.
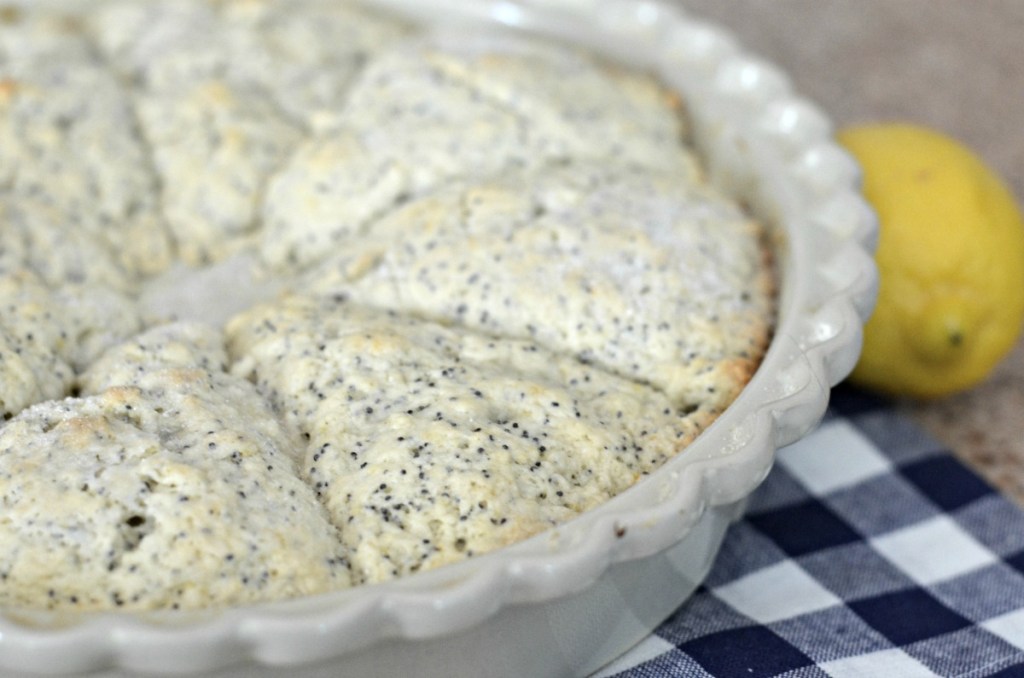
pixel 868 551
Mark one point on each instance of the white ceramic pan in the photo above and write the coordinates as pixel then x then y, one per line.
pixel 569 600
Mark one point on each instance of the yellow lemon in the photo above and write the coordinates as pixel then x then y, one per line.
pixel 950 260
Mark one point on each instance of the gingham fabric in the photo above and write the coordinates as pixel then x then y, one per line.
pixel 869 551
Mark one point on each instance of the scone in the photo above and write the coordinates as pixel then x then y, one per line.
pixel 302 53
pixel 433 110
pixel 167 485
pixel 36 237
pixel 69 142
pixel 48 336
pixel 214 144
pixel 225 92
pixel 428 444
pixel 650 278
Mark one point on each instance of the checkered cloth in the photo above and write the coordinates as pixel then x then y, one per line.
pixel 869 551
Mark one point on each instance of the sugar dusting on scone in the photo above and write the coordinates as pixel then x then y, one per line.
pixel 513 294
pixel 429 444
pixel 167 485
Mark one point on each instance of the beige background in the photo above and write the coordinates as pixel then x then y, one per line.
pixel 957 65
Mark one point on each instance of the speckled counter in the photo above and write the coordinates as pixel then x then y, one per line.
pixel 950 64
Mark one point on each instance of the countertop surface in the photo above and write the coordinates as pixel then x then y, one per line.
pixel 949 64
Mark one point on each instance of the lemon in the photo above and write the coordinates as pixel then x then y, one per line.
pixel 950 260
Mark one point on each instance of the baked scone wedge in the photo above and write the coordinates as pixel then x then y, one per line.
pixel 63 118
pixel 225 91
pixel 32 365
pixel 438 108
pixel 429 444
pixel 312 50
pixel 48 336
pixel 302 53
pixel 37 237
pixel 167 485
pixel 653 279
pixel 214 144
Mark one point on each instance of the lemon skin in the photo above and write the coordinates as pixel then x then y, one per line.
pixel 950 259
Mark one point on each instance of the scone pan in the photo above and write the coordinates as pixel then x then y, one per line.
pixel 763 145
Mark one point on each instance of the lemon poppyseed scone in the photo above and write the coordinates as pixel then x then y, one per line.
pixel 428 443
pixel 431 110
pixel 224 91
pixel 46 335
pixel 454 289
pixel 69 142
pixel 36 238
pixel 578 257
pixel 168 484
